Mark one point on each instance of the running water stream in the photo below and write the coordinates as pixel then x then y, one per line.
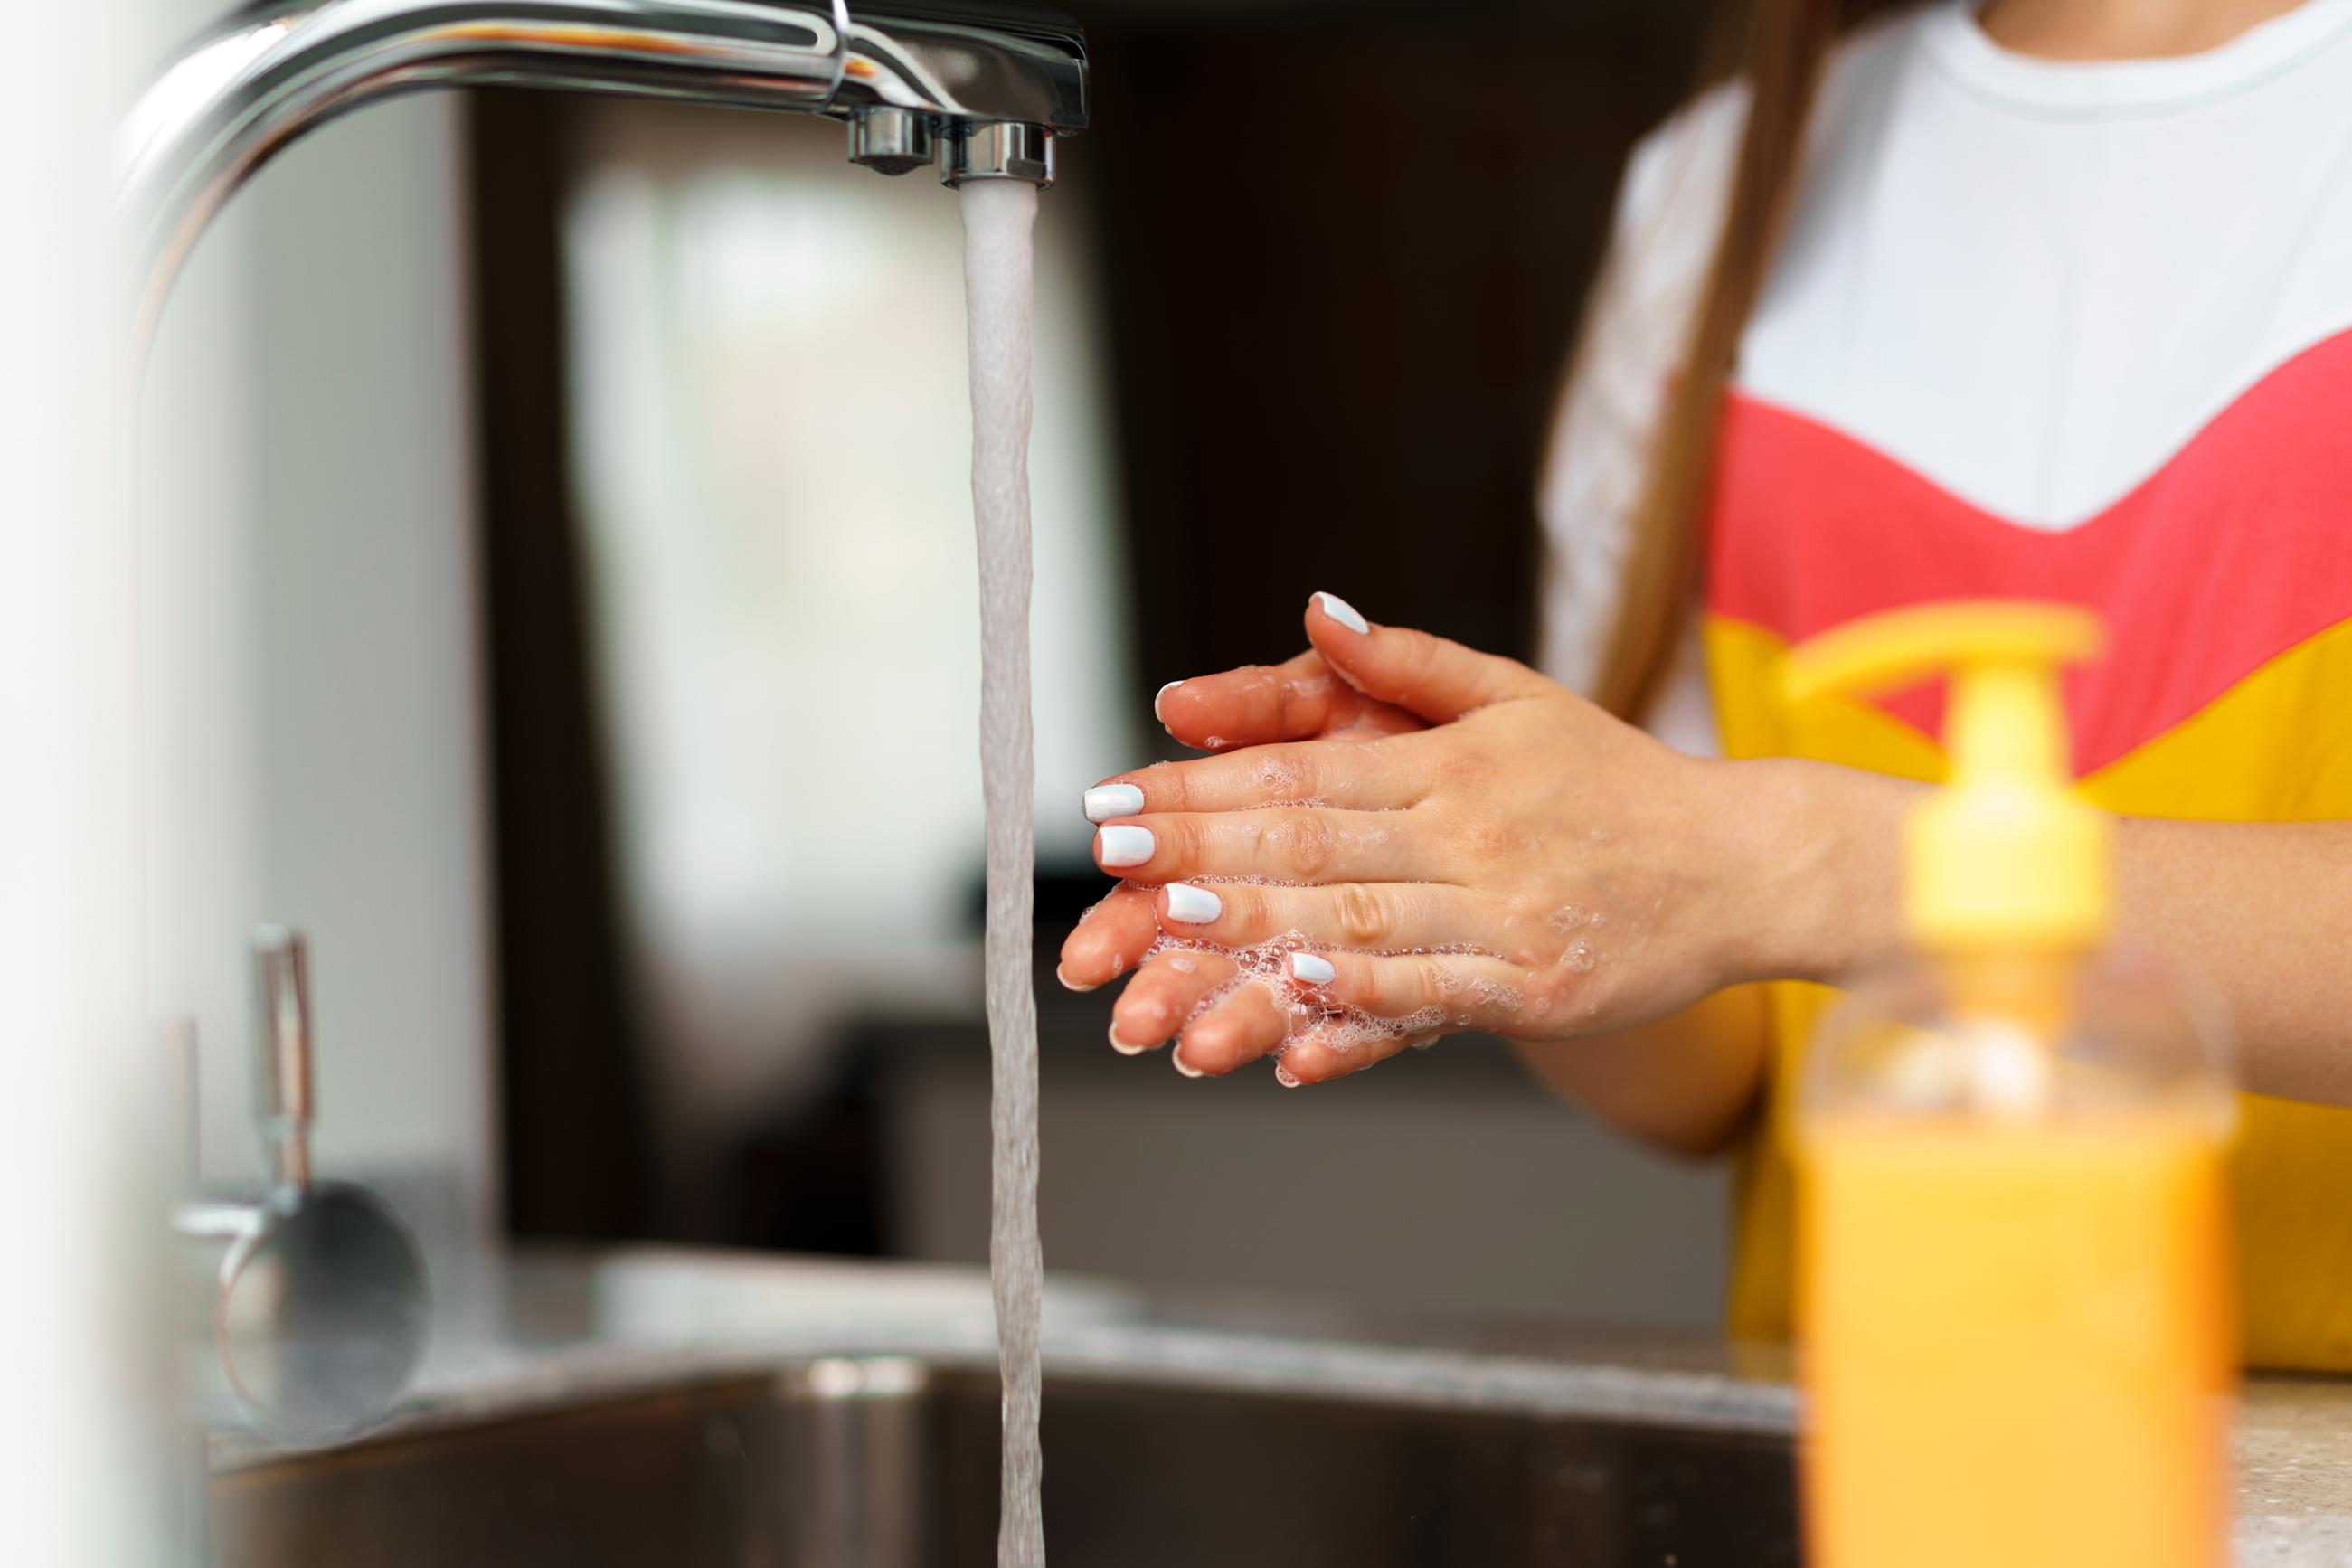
pixel 999 279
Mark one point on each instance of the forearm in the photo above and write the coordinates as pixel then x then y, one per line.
pixel 1684 1083
pixel 2262 911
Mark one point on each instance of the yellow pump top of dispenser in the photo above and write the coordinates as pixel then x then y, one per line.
pixel 2008 855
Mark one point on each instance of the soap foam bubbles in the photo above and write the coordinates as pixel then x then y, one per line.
pixel 1578 957
pixel 1347 1032
pixel 1497 997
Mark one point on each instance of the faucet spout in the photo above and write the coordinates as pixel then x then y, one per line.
pixel 907 75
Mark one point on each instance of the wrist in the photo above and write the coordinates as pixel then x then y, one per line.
pixel 1815 867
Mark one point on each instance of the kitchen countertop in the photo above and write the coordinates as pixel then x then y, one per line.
pixel 2295 1472
pixel 585 1328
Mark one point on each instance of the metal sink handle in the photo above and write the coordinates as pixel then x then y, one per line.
pixel 320 1310
pixel 284 1083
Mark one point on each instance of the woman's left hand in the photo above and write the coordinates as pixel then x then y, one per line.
pixel 1528 866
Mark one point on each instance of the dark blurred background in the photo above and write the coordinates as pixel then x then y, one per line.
pixel 1341 251
pixel 1346 249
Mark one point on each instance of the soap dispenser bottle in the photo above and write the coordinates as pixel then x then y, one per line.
pixel 2014 1330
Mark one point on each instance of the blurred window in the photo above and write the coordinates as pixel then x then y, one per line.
pixel 771 440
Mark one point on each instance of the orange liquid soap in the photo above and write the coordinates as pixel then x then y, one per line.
pixel 2013 1271
pixel 2030 1345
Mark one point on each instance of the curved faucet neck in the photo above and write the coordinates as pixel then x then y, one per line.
pixel 270 73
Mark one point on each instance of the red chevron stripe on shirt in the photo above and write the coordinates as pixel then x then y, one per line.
pixel 2236 550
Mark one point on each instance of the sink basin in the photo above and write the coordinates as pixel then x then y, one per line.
pixel 888 1462
pixel 682 1409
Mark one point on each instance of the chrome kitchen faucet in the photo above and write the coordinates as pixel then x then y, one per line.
pixel 981 90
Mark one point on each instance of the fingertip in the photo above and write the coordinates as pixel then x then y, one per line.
pixel 1341 613
pixel 1345 639
pixel 1109 944
pixel 1108 803
pixel 1429 676
pixel 1197 1054
pixel 1124 846
pixel 1160 697
pixel 1186 904
pixel 1307 1061
pixel 1313 1058
pixel 1249 1025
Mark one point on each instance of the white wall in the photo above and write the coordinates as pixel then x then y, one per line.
pixel 315 743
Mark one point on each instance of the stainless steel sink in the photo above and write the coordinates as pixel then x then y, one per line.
pixel 889 1463
pixel 683 1408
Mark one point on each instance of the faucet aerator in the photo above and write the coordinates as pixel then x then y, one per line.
pixel 891 141
pixel 997 150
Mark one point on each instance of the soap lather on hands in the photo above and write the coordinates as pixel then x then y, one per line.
pixel 1461 842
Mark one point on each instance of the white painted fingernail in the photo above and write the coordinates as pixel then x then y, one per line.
pixel 1339 610
pixel 1070 985
pixel 1107 801
pixel 1126 846
pixel 1177 1056
pixel 1310 970
pixel 1161 693
pixel 1192 906
pixel 1122 1047
pixel 1285 1077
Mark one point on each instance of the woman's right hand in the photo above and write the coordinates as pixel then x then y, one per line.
pixel 1256 705
pixel 1465 845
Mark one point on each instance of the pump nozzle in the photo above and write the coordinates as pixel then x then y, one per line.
pixel 2009 854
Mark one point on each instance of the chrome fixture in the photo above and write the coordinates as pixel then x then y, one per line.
pixel 282 992
pixel 997 150
pixel 319 1310
pixel 891 141
pixel 993 81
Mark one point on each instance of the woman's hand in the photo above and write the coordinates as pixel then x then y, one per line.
pixel 1527 865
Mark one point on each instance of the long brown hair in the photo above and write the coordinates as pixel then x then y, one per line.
pixel 1779 48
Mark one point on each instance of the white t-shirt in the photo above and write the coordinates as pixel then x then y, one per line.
pixel 2029 283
